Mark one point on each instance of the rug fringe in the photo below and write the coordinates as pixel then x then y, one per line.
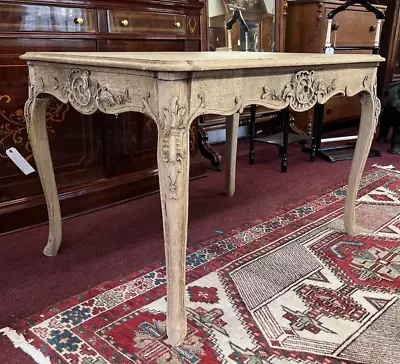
pixel 20 342
pixel 390 168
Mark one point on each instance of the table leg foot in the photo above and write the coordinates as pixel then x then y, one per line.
pixel 35 115
pixel 52 247
pixel 232 128
pixel 370 109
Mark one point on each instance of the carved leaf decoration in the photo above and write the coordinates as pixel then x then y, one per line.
pixel 103 95
pixel 105 99
pixel 174 136
pixel 378 106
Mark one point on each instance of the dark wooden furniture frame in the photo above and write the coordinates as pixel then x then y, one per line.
pixel 390 45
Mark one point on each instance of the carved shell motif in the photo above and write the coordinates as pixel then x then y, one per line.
pixel 302 93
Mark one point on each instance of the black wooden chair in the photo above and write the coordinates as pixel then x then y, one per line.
pixel 282 139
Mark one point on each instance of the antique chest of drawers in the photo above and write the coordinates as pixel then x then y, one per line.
pixel 306 28
pixel 104 158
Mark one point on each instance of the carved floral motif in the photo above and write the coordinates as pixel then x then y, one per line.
pixel 302 93
pixel 13 128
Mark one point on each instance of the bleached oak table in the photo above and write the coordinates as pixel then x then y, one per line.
pixel 175 88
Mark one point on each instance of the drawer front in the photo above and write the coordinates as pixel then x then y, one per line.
pixel 34 18
pixel 120 21
pixel 342 108
pixel 354 28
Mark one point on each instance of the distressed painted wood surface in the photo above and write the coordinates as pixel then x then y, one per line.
pixel 175 88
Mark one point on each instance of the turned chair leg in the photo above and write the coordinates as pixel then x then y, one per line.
pixel 317 130
pixel 285 142
pixel 252 128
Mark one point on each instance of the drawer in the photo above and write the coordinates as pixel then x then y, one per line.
pixel 354 28
pixel 342 108
pixel 35 18
pixel 120 21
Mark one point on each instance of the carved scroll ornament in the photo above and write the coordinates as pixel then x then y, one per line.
pixel 87 96
pixel 302 93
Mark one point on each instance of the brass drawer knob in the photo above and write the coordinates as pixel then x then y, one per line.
pixel 78 21
pixel 125 23
pixel 335 26
pixel 178 24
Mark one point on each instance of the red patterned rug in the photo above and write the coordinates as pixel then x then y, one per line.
pixel 288 288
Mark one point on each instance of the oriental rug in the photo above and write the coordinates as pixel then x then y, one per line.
pixel 288 288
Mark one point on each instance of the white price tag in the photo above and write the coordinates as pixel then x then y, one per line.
pixel 19 161
pixel 329 50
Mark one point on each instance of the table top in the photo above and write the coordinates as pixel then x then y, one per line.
pixel 199 61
